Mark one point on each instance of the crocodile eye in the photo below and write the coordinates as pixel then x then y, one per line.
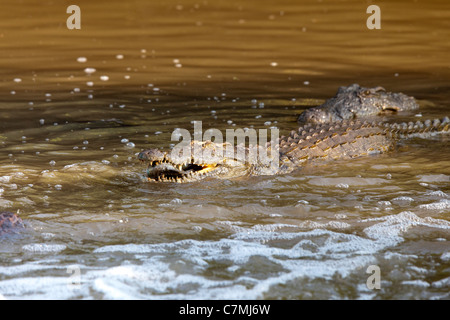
pixel 367 92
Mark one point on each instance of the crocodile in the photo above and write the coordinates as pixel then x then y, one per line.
pixel 332 131
pixel 9 222
pixel 355 101
pixel 345 139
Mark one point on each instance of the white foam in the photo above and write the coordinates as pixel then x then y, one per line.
pixel 416 283
pixel 443 283
pixel 39 288
pixel 185 269
pixel 43 247
pixel 445 257
pixel 388 233
pixel 441 205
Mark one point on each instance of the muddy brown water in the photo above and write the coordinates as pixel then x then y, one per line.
pixel 76 106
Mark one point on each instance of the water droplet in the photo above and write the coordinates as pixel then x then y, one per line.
pixel 90 70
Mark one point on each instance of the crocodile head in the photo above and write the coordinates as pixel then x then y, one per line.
pixel 196 161
pixel 356 102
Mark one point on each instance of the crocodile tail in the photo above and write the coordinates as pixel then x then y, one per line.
pixel 419 129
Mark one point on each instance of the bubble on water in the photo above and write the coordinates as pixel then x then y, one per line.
pixel 81 59
pixel 124 140
pixel 58 186
pixel 17 80
pixel 274 64
pixel 306 83
pixel 90 70
pixel 106 162
pixel 158 132
pixel 41 121
pixel 119 56
pixel 126 77
pixel 85 142
pixel 76 89
pixel 104 78
pixel 89 83
pixel 52 162
pixel 130 145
